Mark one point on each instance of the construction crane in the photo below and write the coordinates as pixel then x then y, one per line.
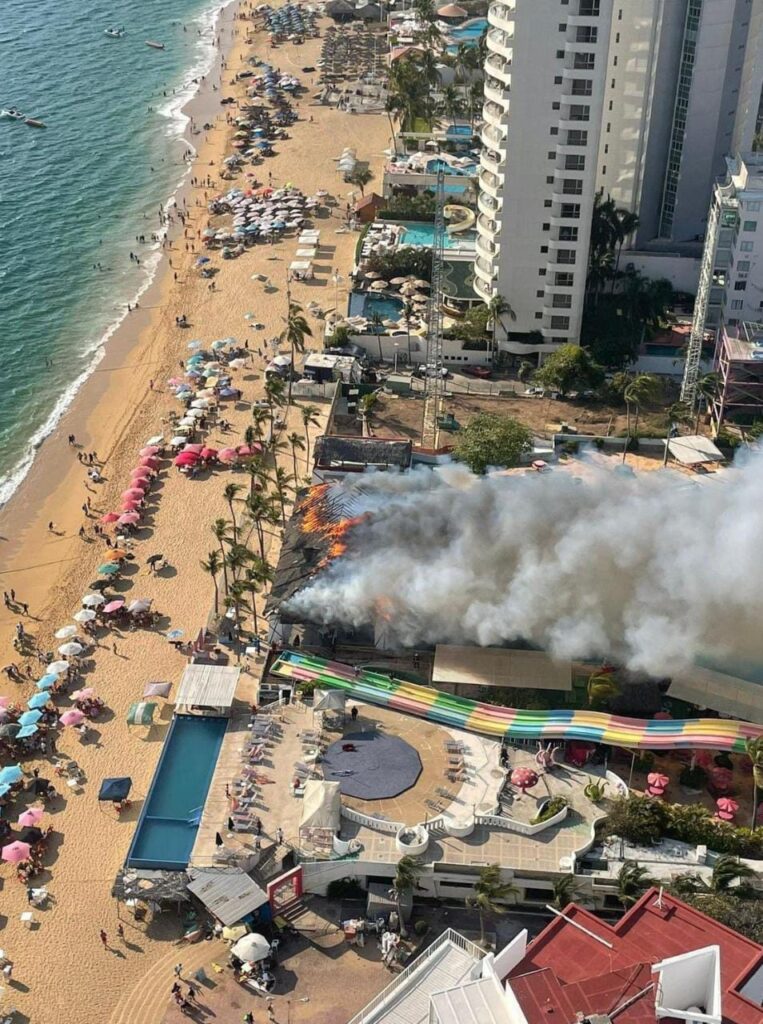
pixel 694 349
pixel 434 380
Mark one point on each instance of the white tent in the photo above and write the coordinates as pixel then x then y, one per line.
pixel 329 700
pixel 252 947
pixel 321 805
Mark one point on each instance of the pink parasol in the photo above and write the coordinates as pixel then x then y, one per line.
pixel 726 808
pixel 149 462
pixel 195 448
pixel 249 449
pixel 134 492
pixel 209 453
pixel 149 450
pixel 4 702
pixel 227 455
pixel 110 517
pixel 14 853
pixel 524 778
pixel 114 606
pixel 85 694
pixel 128 519
pixel 30 817
pixel 141 473
pixel 186 459
pixel 72 717
pixel 129 505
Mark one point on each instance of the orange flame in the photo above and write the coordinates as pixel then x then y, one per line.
pixel 316 519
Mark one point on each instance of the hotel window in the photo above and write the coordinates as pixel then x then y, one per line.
pixel 561 301
pixel 750 225
pixel 581 87
pixel 566 256
pixel 740 286
pixel 571 211
pixel 568 234
pixel 577 137
pixel 753 207
pixel 746 246
pixel 574 162
pixel 564 280
pixel 583 61
pixel 743 266
pixel 560 323
pixel 572 187
pixel 737 304
pixel 580 112
pixel 589 8
pixel 586 34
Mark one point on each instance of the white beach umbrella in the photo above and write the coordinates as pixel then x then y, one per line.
pixel 56 667
pixel 252 947
pixel 84 615
pixel 71 649
pixel 93 600
pixel 65 632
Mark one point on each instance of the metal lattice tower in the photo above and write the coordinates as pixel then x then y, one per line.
pixel 694 350
pixel 434 385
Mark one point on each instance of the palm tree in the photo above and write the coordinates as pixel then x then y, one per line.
pixel 257 473
pixel 377 323
pixel 229 493
pixel 367 404
pixel 624 223
pixel 297 330
pixel 499 308
pixel 707 391
pixel 220 530
pixel 565 892
pixel 237 558
pixel 727 870
pixel 641 389
pixel 754 748
pixel 406 880
pixel 260 418
pixel 212 566
pixel 488 890
pixel 282 482
pixel 632 880
pixel 360 176
pixel 275 395
pixel 261 511
pixel 297 444
pixel 525 369
pixel 309 419
pixel 678 413
pixel 451 103
pixel 407 315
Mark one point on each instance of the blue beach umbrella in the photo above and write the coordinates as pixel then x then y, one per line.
pixel 108 569
pixel 26 732
pixel 10 774
pixel 39 700
pixel 47 682
pixel 30 718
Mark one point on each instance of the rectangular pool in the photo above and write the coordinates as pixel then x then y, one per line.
pixel 366 304
pixel 422 233
pixel 170 817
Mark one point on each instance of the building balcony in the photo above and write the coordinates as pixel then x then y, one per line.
pixel 557 221
pixel 500 67
pixel 495 89
pixel 501 15
pixel 501 42
pixel 494 137
pixel 567 124
pixel 485 248
pixel 484 268
pixel 551 310
pixel 491 183
pixel 491 161
pixel 489 206
pixel 483 288
pixel 488 226
pixel 495 113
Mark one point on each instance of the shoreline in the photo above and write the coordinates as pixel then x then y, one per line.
pixel 190 108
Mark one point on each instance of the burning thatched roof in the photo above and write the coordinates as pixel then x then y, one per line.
pixel 332 450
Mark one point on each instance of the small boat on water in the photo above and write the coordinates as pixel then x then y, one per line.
pixel 114 33
pixel 11 114
pixel 153 45
pixel 34 123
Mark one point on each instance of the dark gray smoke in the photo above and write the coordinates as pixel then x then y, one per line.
pixel 650 570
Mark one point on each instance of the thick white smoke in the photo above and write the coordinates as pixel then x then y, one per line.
pixel 650 570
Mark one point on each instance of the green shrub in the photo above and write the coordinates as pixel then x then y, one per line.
pixel 638 819
pixel 307 688
pixel 644 762
pixel 693 778
pixel 345 889
pixel 555 804
pixel 421 927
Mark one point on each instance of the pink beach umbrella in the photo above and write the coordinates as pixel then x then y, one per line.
pixel 4 702
pixel 72 717
pixel 524 778
pixel 110 517
pixel 149 462
pixel 113 606
pixel 129 505
pixel 84 694
pixel 148 451
pixel 30 817
pixel 195 448
pixel 14 853
pixel 657 783
pixel 726 808
pixel 128 519
pixel 141 473
pixel 227 455
pixel 186 459
pixel 134 492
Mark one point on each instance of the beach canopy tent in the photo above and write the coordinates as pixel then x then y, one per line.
pixel 208 686
pixel 251 948
pixel 116 789
pixel 321 815
pixel 496 666
pixel 329 700
pixel 694 450
pixel 229 896
pixel 141 713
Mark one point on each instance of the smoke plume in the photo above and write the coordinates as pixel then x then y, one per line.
pixel 650 570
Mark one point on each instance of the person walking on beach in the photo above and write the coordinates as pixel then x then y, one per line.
pixel 104 939
pixel 178 969
pixel 121 931
pixel 279 835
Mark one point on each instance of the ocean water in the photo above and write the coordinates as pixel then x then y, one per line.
pixel 77 193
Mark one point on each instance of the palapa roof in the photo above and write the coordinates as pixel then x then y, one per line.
pixel 335 450
pixel 451 11
pixel 210 686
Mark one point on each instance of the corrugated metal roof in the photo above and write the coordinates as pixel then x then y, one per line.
pixel 478 1002
pixel 229 895
pixel 210 686
pixel 694 450
pixel 728 695
pixel 496 666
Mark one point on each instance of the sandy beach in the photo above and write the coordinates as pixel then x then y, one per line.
pixel 61 971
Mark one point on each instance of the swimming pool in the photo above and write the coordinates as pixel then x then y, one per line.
pixel 170 817
pixel 435 165
pixel 366 304
pixel 467 35
pixel 421 233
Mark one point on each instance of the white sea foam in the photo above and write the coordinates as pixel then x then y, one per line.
pixel 173 110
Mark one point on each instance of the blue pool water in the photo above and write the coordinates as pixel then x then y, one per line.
pixel 434 166
pixel 365 304
pixel 468 34
pixel 421 233
pixel 167 825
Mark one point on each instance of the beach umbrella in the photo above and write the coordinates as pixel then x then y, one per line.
pixel 110 517
pixel 71 649
pixel 109 568
pixel 200 403
pixel 10 731
pixel 153 442
pixel 150 462
pixel 11 774
pixel 378 286
pixel 140 476
pixel 113 606
pixel 72 717
pixel 14 853
pixel 209 453
pixel 524 778
pixel 58 667
pixel 32 816
pixel 129 505
pixel 84 615
pixel 84 694
pixel 4 702
pixel 227 455
pixel 726 808
pixel 251 947
pixel 129 519
pixel 658 780
pixel 38 700
pixel 149 450
pixel 94 600
pixel 134 492
pixel 194 344
pixel 421 283
pixel 65 632
pixel 46 683
pixel 30 717
pixel 173 634
pixel 116 789
pixel 177 441
pixel 187 459
pixel 140 604
pixel 27 731
pixel 157 690
pixel 30 835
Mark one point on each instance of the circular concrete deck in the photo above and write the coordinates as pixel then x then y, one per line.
pixel 371 765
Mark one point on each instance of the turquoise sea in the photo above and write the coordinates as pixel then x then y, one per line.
pixel 77 193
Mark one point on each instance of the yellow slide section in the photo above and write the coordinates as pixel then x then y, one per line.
pixel 465 218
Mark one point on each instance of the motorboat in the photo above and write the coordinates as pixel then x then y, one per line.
pixel 11 114
pixel 153 45
pixel 114 33
pixel 34 123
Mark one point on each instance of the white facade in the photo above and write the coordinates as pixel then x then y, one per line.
pixel 642 100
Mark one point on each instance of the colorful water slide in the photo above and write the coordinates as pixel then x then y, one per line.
pixel 466 218
pixel 511 723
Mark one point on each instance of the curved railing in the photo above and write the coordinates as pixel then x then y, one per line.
pixel 512 723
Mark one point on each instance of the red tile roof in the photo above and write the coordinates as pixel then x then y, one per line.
pixel 566 970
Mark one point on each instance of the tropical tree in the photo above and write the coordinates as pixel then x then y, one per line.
pixel 220 528
pixel 230 493
pixel 565 892
pixel 260 417
pixel 275 394
pixel 277 446
pixel 360 176
pixel 595 791
pixel 729 875
pixel 707 391
pixel 309 419
pixel 490 439
pixel 525 369
pixel 452 103
pixel 643 388
pixel 297 444
pixel 624 223
pixel 261 511
pixel 377 323
pixel 406 879
pixel 213 566
pixel 570 366
pixel 256 577
pixel 499 308
pixel 296 331
pixel 754 748
pixel 237 558
pixel 256 472
pixel 632 881
pixel 367 404
pixel 282 483
pixel 489 891
pixel 678 413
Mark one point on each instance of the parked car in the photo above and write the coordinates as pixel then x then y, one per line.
pixel 483 372
pixel 430 371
